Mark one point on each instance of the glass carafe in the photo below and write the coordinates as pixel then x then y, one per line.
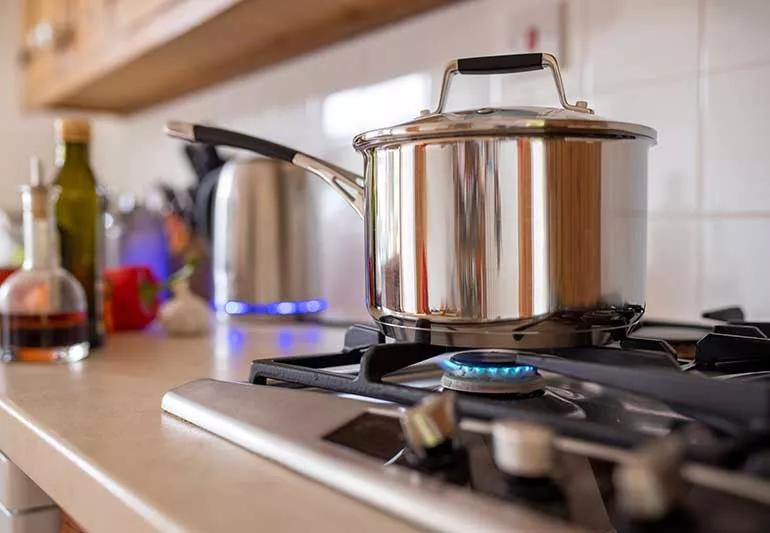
pixel 42 306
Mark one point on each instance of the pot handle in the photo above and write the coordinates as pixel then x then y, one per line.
pixel 507 64
pixel 348 184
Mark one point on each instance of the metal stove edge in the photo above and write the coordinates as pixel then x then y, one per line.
pixel 216 406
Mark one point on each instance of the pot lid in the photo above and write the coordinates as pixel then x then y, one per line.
pixel 572 119
pixel 503 122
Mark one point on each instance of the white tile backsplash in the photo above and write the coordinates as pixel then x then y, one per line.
pixel 735 33
pixel 633 41
pixel 671 108
pixel 672 268
pixel 538 88
pixel 736 143
pixel 736 259
pixel 340 260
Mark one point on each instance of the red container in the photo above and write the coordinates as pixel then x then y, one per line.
pixel 133 300
pixel 5 272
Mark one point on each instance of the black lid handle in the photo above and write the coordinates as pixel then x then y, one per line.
pixel 507 64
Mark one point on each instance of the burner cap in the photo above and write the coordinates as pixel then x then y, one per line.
pixel 490 372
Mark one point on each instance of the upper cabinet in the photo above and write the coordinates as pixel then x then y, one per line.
pixel 124 55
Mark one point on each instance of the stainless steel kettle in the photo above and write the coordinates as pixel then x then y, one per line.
pixel 262 217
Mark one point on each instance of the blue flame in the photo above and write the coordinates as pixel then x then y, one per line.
pixel 301 307
pixel 490 371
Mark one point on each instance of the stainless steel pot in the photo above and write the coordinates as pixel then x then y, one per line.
pixel 519 227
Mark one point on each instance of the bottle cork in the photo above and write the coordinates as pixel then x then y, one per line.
pixel 72 130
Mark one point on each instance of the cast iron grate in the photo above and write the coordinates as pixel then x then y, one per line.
pixel 652 374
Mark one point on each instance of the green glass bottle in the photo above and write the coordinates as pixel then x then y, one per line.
pixel 80 219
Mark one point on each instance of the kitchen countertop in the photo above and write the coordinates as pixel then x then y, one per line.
pixel 92 435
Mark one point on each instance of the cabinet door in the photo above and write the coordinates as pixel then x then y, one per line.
pixel 88 18
pixel 48 28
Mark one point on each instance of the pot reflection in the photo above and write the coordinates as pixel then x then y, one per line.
pixel 518 231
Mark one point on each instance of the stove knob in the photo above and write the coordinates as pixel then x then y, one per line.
pixel 758 464
pixel 523 449
pixel 524 453
pixel 649 484
pixel 429 430
pixel 430 426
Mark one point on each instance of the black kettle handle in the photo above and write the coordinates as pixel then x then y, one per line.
pixel 204 205
pixel 221 137
pixel 506 64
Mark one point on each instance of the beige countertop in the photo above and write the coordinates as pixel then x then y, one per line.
pixel 92 435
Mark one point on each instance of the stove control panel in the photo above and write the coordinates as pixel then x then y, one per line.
pixel 518 462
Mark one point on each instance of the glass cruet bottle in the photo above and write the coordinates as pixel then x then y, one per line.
pixel 42 306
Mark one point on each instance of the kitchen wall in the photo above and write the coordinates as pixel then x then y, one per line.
pixel 21 133
pixel 696 70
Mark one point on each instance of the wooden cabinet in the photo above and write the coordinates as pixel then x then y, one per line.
pixel 129 13
pixel 47 29
pixel 124 55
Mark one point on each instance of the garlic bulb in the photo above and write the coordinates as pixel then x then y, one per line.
pixel 186 313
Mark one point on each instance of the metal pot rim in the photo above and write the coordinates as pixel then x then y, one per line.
pixel 502 122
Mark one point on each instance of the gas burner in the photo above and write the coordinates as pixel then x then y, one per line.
pixel 490 372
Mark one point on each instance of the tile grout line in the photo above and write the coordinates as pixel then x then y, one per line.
pixel 738 67
pixel 708 215
pixel 702 70
pixel 700 102
pixel 584 23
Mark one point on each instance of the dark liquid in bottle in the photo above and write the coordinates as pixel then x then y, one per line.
pixel 42 337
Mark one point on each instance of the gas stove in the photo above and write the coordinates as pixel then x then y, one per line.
pixel 667 429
